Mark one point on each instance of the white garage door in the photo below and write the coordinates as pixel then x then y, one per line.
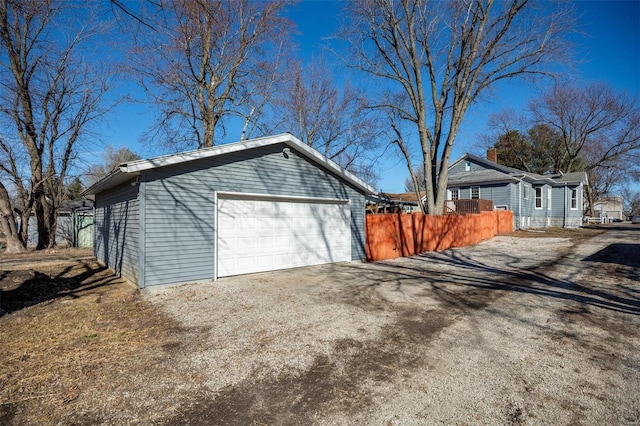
pixel 257 235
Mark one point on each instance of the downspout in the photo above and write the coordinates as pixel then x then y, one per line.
pixel 519 203
pixel 519 200
pixel 564 215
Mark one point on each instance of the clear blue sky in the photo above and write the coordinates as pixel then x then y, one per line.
pixel 609 52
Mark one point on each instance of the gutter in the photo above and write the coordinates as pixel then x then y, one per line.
pixel 93 189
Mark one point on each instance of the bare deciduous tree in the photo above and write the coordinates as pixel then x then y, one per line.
pixel 594 118
pixel 631 200
pixel 328 117
pixel 112 158
pixel 408 182
pixel 202 62
pixel 50 94
pixel 599 129
pixel 441 56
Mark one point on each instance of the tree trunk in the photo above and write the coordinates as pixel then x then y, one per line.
pixel 24 226
pixel 42 219
pixel 52 226
pixel 589 211
pixel 8 223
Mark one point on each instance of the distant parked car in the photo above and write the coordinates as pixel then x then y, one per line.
pixel 635 219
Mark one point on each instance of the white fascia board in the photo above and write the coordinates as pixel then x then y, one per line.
pixel 198 154
pixel 286 138
pixel 568 183
pixel 114 178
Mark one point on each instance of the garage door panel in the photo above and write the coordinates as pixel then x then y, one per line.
pixel 282 242
pixel 267 242
pixel 262 235
pixel 225 221
pixel 266 223
pixel 265 261
pixel 298 223
pixel 242 207
pixel 246 243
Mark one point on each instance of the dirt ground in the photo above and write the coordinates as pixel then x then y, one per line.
pixel 531 328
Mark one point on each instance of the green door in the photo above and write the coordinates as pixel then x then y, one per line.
pixel 84 230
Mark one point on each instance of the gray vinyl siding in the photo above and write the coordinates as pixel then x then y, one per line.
pixel 560 205
pixel 464 192
pixel 514 194
pixel 525 215
pixel 461 167
pixel 179 206
pixel 116 241
pixel 498 193
pixel 514 206
pixel 577 213
pixel 523 208
pixel 64 231
pixel 542 212
pixel 561 201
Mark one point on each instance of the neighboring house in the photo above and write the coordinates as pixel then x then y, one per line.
pixel 75 225
pixel 609 208
pixel 256 205
pixel 406 202
pixel 537 201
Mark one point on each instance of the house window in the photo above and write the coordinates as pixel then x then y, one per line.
pixel 548 198
pixel 526 192
pixel 467 166
pixel 574 199
pixel 538 198
pixel 455 194
pixel 475 192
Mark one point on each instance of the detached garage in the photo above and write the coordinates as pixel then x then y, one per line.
pixel 251 206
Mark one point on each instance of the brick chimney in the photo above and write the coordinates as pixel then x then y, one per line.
pixel 492 154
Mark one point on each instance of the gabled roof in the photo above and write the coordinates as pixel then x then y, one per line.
pixel 71 205
pixel 126 171
pixel 485 176
pixel 497 173
pixel 484 162
pixel 573 177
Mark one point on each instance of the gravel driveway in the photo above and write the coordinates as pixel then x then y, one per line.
pixel 510 331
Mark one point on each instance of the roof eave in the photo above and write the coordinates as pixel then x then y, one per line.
pixel 481 181
pixel 569 182
pixel 117 177
pixel 128 170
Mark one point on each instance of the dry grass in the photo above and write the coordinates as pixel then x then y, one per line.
pixel 572 233
pixel 32 256
pixel 90 330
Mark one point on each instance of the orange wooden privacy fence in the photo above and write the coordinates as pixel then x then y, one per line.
pixel 395 235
